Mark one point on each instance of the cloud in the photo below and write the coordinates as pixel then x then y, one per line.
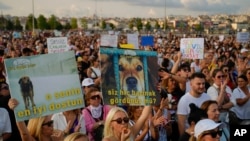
pixel 4 7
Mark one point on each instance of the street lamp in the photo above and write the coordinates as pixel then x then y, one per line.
pixel 33 18
pixel 165 15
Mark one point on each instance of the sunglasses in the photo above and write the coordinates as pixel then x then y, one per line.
pixel 214 133
pixel 5 88
pixel 95 97
pixel 49 123
pixel 119 120
pixel 186 70
pixel 220 76
pixel 225 70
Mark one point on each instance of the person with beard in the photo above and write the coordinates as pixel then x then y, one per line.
pixel 196 95
pixel 4 98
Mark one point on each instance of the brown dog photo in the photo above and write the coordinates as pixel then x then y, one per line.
pixel 27 92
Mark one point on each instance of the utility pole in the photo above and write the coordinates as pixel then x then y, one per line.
pixel 165 15
pixel 33 18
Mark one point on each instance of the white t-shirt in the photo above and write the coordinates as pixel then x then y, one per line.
pixel 60 122
pixel 96 74
pixel 243 112
pixel 196 67
pixel 183 105
pixel 5 125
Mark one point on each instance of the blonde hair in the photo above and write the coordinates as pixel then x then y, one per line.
pixel 108 131
pixel 35 127
pixel 75 136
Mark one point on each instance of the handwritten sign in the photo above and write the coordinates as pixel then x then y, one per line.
pixel 109 40
pixel 44 84
pixel 242 37
pixel 133 39
pixel 57 45
pixel 192 48
pixel 147 40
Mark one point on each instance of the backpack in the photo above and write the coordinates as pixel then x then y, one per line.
pixel 98 132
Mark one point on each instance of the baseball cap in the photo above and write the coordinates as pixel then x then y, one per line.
pixel 87 82
pixel 205 125
pixel 243 50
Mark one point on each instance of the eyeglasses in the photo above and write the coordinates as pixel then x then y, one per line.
pixel 220 76
pixel 119 120
pixel 49 123
pixel 214 133
pixel 94 97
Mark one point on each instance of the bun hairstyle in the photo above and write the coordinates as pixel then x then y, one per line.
pixel 196 114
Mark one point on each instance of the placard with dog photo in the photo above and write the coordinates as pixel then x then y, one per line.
pixel 44 84
pixel 129 77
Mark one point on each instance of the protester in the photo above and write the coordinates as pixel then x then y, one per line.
pixel 38 129
pixel 5 126
pixel 220 92
pixel 95 114
pixel 207 130
pixel 196 96
pixel 212 110
pixel 117 124
pixel 76 137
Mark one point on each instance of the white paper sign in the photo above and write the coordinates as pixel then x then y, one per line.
pixel 57 45
pixel 109 40
pixel 133 39
pixel 221 38
pixel 242 37
pixel 192 48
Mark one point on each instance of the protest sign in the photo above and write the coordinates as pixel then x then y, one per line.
pixel 44 84
pixel 109 40
pixel 192 48
pixel 17 35
pixel 129 77
pixel 147 41
pixel 57 45
pixel 242 37
pixel 133 39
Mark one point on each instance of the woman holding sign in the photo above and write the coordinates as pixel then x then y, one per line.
pixel 38 129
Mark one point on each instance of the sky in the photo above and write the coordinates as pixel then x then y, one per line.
pixel 123 8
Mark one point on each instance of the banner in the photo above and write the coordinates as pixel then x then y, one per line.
pixel 57 45
pixel 44 84
pixel 129 77
pixel 192 48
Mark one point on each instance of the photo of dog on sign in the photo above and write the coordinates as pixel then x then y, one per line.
pixel 131 73
pixel 27 91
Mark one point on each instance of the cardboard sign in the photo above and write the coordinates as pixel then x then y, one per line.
pixel 192 48
pixel 133 39
pixel 44 84
pixel 57 45
pixel 147 41
pixel 242 37
pixel 129 77
pixel 109 40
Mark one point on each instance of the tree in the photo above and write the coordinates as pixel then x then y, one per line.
pixel 139 24
pixel 17 24
pixel 67 26
pixel 112 25
pixel 157 25
pixel 73 23
pixel 84 23
pixel 54 24
pixel 103 24
pixel 131 25
pixel 9 25
pixel 148 26
pixel 42 22
pixel 29 22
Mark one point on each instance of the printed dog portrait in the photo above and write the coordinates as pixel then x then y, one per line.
pixel 26 87
pixel 131 73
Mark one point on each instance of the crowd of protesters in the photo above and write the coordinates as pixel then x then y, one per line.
pixel 204 95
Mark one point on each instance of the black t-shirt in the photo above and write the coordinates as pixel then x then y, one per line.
pixel 176 94
pixel 85 66
pixel 185 137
